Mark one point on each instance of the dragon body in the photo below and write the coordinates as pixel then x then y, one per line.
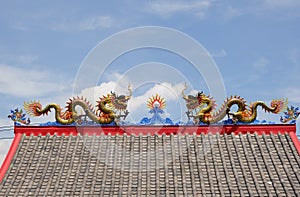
pixel 108 109
pixel 205 109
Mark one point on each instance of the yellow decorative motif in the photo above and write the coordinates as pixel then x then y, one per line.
pixel 156 101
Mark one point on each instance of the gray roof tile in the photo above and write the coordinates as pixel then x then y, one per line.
pixel 167 165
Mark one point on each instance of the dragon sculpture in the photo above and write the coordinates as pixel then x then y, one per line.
pixel 109 109
pixel 202 108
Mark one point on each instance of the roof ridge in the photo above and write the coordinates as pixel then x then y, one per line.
pixel 153 130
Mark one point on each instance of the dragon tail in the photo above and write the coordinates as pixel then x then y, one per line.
pixel 279 105
pixel 34 108
pixel 276 106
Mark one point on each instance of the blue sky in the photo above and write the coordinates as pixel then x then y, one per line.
pixel 255 45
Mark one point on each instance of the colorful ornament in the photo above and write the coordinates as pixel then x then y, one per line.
pixel 18 117
pixel 290 115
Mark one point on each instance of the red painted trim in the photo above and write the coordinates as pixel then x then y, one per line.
pixel 44 130
pixel 152 130
pixel 10 155
pixel 144 130
pixel 295 141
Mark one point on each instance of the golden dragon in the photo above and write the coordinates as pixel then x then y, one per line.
pixel 108 109
pixel 202 108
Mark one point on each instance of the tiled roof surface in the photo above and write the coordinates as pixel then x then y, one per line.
pixel 167 165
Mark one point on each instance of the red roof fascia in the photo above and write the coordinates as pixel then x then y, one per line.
pixel 295 141
pixel 13 148
pixel 152 130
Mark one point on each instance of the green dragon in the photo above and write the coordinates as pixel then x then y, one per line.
pixel 204 108
pixel 108 109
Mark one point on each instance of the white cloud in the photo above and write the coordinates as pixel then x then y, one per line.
pixel 23 82
pixel 5 122
pixel 166 90
pixel 119 78
pixel 27 59
pixel 169 8
pixel 93 93
pixel 51 19
pixel 137 105
pixel 258 70
pixel 261 64
pixel 221 53
pixel 276 9
pixel 4 147
pixel 293 94
pixel 86 24
pixel 231 12
pixel 96 22
pixel 282 3
pixel 24 59
pixel 294 56
pixel 175 106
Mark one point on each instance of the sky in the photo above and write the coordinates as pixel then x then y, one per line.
pixel 45 48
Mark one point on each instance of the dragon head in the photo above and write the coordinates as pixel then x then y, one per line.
pixel 119 102
pixel 200 96
pixel 203 98
pixel 198 101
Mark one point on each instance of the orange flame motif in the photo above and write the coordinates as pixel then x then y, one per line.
pixel 280 104
pixel 156 101
pixel 31 108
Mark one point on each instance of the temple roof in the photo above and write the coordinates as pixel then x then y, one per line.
pixel 169 161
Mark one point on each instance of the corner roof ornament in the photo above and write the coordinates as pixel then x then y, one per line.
pixel 290 115
pixel 18 117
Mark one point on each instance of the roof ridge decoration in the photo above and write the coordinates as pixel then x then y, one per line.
pixel 111 109
pixel 18 117
pixel 156 104
pixel 290 115
pixel 203 106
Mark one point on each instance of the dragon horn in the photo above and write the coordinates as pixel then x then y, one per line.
pixel 182 92
pixel 130 92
